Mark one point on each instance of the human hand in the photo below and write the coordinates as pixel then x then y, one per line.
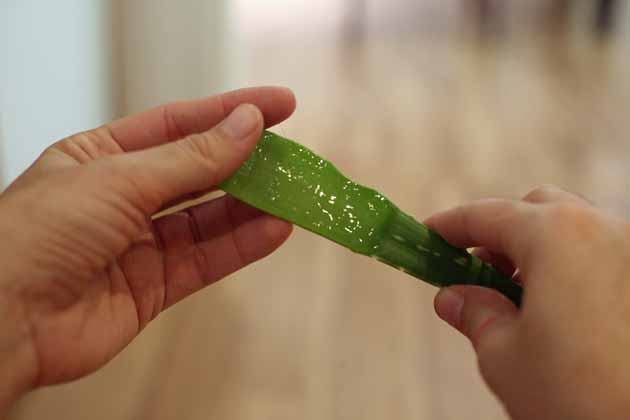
pixel 564 355
pixel 84 268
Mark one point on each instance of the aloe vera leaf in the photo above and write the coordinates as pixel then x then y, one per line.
pixel 289 181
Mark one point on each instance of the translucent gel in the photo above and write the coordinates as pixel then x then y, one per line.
pixel 287 180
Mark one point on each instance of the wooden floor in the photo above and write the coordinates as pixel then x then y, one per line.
pixel 432 118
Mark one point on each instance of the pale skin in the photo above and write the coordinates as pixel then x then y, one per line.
pixel 85 267
pixel 564 355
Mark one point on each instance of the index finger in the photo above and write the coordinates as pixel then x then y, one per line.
pixel 501 226
pixel 180 119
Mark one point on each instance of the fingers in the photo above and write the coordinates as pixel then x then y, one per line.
pixel 552 194
pixel 503 230
pixel 500 226
pixel 489 321
pixel 474 311
pixel 158 175
pixel 210 241
pixel 498 261
pixel 178 232
pixel 180 119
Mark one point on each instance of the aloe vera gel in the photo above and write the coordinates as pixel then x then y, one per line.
pixel 291 182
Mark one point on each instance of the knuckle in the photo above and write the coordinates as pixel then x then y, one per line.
pixel 202 265
pixel 171 121
pixel 117 183
pixel 62 146
pixel 540 193
pixel 504 213
pixel 477 330
pixel 569 220
pixel 194 224
pixel 201 149
pixel 86 146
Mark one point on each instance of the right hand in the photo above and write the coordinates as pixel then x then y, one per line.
pixel 565 354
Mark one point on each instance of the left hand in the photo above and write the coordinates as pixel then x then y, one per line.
pixel 84 266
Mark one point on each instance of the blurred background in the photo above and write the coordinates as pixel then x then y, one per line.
pixel 433 102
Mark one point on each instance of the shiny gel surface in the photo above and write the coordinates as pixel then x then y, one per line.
pixel 289 181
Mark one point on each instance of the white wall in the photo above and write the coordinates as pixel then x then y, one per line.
pixel 69 65
pixel 54 74
pixel 173 50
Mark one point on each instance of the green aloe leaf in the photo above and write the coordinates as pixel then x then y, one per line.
pixel 289 181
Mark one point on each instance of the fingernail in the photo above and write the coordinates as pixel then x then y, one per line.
pixel 241 122
pixel 448 305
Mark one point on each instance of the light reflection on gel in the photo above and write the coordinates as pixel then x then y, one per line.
pixel 308 189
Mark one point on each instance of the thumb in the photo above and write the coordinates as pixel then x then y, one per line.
pixel 488 319
pixel 195 163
